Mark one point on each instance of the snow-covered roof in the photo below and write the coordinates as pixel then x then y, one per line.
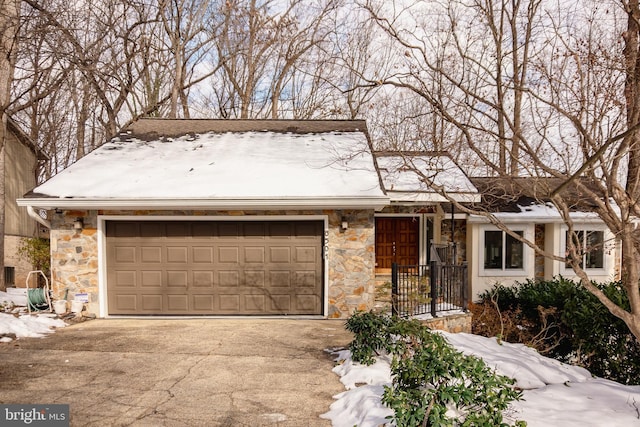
pixel 222 164
pixel 537 212
pixel 528 200
pixel 423 177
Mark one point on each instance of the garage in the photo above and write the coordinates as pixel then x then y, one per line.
pixel 214 267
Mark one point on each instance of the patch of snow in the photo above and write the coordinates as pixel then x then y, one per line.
pixel 29 325
pixel 555 394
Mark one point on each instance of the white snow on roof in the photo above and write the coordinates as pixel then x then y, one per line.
pixel 225 165
pixel 538 212
pixel 416 178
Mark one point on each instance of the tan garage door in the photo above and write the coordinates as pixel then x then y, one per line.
pixel 215 268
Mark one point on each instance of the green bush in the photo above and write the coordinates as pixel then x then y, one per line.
pixel 430 376
pixel 600 341
pixel 585 333
pixel 370 332
pixel 37 251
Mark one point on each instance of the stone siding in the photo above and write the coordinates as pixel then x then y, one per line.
pixel 454 323
pixel 74 257
pixel 459 238
pixel 350 253
pixel 351 263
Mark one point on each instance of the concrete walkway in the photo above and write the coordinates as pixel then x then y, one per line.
pixel 179 372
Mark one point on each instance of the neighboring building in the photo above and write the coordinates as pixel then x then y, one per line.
pixel 20 167
pixel 253 217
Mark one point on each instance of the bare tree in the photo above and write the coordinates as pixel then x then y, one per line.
pixel 552 87
pixel 184 23
pixel 268 52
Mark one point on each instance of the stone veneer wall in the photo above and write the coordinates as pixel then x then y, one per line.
pixel 351 254
pixel 460 236
pixel 74 257
pixel 454 323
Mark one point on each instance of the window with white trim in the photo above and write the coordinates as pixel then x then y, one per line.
pixel 503 252
pixel 590 247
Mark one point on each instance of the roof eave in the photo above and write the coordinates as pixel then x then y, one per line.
pixel 371 202
pixel 514 218
pixel 398 197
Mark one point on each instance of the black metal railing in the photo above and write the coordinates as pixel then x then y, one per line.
pixel 433 289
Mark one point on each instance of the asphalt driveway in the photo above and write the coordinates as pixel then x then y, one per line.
pixel 179 372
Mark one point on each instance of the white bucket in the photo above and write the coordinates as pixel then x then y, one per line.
pixel 76 306
pixel 60 306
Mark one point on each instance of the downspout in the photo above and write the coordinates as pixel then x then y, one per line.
pixel 33 214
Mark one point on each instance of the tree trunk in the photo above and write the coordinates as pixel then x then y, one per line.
pixel 632 96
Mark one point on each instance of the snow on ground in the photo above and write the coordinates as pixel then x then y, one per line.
pixel 554 394
pixel 28 325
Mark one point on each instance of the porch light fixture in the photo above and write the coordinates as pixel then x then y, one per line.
pixel 78 224
pixel 344 224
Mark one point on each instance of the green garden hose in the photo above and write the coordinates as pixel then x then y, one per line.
pixel 37 299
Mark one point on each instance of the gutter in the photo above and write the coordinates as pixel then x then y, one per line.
pixel 33 214
pixel 370 202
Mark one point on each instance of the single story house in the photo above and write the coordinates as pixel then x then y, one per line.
pixel 254 217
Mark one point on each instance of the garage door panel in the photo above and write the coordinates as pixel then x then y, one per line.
pixel 306 279
pixel 203 279
pixel 218 268
pixel 306 254
pixel 228 230
pixel 254 254
pixel 125 254
pixel 204 303
pixel 229 303
pixel 178 303
pixel 126 302
pixel 229 278
pixel 307 230
pixel 151 254
pixel 177 279
pixel 254 230
pixel 254 303
pixel 152 229
pixel 201 230
pixel 281 230
pixel 229 254
pixel 202 254
pixel 280 279
pixel 254 279
pixel 174 229
pixel 125 278
pixel 151 302
pixel 125 229
pixel 177 254
pixel 280 255
pixel 307 302
pixel 151 279
pixel 280 303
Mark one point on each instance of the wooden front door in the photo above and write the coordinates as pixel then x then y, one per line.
pixel 397 241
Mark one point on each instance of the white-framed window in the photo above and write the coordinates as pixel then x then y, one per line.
pixel 501 253
pixel 592 247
